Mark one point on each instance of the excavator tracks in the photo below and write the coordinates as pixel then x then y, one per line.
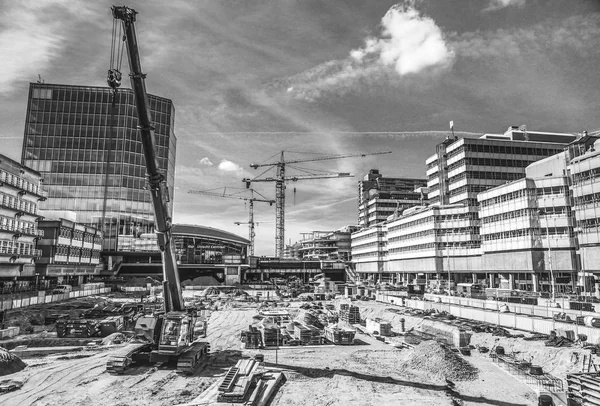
pixel 188 361
pixel 123 358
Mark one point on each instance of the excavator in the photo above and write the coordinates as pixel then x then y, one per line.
pixel 169 336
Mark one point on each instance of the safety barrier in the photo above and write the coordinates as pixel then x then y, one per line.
pixel 533 310
pixel 42 297
pixel 507 320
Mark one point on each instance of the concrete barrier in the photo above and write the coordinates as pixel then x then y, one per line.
pixel 33 300
pixel 507 320
pixel 16 303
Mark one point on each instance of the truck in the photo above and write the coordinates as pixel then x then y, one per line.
pixel 169 336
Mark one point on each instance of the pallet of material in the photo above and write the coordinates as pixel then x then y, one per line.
pixel 339 336
pixel 252 338
pixel 584 388
pixel 349 313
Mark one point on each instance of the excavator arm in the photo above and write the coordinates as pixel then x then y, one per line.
pixel 156 181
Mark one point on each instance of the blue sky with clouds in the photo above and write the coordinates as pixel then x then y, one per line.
pixel 254 77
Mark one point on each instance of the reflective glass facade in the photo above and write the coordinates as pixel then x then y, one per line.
pixel 91 167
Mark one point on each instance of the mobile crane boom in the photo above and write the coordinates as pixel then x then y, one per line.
pixel 171 336
pixel 157 186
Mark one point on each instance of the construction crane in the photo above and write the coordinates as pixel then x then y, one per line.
pixel 168 337
pixel 280 179
pixel 250 201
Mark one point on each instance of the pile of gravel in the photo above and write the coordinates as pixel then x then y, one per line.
pixel 432 358
pixel 9 363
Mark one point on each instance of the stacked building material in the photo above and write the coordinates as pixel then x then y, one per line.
pixel 340 336
pixel 349 313
pixel 452 335
pixel 382 327
pixel 77 328
pixel 270 333
pixel 252 338
pixel 583 389
pixel 302 333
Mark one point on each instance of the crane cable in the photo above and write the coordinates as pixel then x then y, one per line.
pixel 114 81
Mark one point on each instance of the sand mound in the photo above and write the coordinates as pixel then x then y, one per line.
pixel 435 359
pixel 9 363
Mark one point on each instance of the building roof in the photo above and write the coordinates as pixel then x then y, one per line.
pixel 203 231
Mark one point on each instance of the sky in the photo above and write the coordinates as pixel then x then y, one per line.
pixel 252 78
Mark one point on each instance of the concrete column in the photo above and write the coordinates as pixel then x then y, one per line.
pixel 534 281
pixel 474 276
pixel 491 280
pixel 511 281
pixel 597 285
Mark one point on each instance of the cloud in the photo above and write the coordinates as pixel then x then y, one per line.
pixel 573 34
pixel 205 161
pixel 33 37
pixel 228 166
pixel 409 43
pixel 499 4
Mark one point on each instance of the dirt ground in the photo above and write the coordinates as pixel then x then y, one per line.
pixel 369 373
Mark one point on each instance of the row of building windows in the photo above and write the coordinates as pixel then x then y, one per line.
pixel 492 175
pixel 17 248
pixel 11 224
pixel 18 182
pixel 528 232
pixel 517 194
pixel 437 246
pixel 442 232
pixel 586 175
pixel 64 250
pixel 487 161
pixel 93 96
pixel 79 235
pixel 368 244
pixel 18 204
pixel 586 199
pixel 525 149
pixel 469 189
pixel 375 255
pixel 414 223
pixel 378 234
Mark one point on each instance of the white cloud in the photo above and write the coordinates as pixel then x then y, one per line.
pixel 409 42
pixel 228 166
pixel 205 161
pixel 499 4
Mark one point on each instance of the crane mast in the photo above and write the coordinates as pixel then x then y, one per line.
pixel 156 181
pixel 280 180
pixel 250 200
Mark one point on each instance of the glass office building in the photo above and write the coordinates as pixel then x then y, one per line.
pixel 91 160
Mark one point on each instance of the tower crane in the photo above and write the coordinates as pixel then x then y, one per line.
pixel 250 201
pixel 280 179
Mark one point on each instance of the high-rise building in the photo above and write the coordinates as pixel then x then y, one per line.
pixel 380 197
pixel 463 167
pixel 90 155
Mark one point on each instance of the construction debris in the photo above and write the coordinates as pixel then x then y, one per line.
pixel 10 363
pixel 433 358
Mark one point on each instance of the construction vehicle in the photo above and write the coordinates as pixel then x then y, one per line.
pixel 281 179
pixel 168 337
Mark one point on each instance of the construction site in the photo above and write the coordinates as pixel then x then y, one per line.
pixel 141 311
pixel 95 350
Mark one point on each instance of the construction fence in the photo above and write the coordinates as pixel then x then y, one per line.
pixel 515 321
pixel 8 302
